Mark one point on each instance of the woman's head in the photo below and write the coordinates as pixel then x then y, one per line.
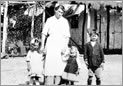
pixel 59 11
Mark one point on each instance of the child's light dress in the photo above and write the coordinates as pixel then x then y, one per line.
pixel 36 63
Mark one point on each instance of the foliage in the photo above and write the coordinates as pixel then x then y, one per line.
pixel 21 30
pixel 23 22
pixel 38 26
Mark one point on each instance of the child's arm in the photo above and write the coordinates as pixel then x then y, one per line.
pixel 102 54
pixel 28 65
pixel 28 61
pixel 85 55
pixel 78 62
pixel 102 57
pixel 79 65
pixel 65 57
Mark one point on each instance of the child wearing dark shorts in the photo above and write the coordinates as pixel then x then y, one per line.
pixel 94 58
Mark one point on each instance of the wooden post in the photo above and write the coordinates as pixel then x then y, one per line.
pixel 108 26
pixel 100 28
pixel 43 19
pixel 88 24
pixel 95 19
pixel 5 26
pixel 83 27
pixel 122 35
pixel 33 19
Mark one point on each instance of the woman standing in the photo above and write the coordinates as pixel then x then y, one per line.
pixel 57 27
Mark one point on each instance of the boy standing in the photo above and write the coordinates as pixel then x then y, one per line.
pixel 94 58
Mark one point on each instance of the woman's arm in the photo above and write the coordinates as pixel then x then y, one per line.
pixel 67 32
pixel 44 33
pixel 43 41
pixel 66 41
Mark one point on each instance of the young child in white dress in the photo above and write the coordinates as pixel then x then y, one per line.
pixel 35 63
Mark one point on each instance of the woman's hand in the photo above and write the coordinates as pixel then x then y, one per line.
pixel 28 69
pixel 86 63
pixel 78 71
pixel 42 49
pixel 102 66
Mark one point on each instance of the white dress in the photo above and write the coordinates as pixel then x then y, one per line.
pixel 57 29
pixel 36 63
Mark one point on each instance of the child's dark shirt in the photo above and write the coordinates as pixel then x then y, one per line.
pixel 93 55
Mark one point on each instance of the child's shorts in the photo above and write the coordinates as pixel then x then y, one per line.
pixel 95 71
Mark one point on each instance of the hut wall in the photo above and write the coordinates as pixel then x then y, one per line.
pixel 76 33
pixel 115 30
pixel 115 40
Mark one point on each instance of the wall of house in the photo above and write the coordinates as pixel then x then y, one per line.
pixel 115 31
pixel 76 33
pixel 115 37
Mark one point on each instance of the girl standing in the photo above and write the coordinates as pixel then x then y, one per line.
pixel 73 66
pixel 35 62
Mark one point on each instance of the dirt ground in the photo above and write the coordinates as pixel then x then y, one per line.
pixel 13 71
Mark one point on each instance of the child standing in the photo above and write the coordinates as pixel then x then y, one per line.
pixel 72 67
pixel 94 58
pixel 35 62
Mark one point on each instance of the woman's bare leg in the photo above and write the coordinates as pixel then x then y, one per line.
pixel 49 80
pixel 57 80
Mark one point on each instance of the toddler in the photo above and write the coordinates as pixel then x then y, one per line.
pixel 73 65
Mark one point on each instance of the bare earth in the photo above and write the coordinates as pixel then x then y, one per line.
pixel 13 71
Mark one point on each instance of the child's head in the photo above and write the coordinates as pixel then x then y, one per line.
pixel 74 51
pixel 94 36
pixel 35 44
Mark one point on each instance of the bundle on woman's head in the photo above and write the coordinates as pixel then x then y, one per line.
pixel 35 44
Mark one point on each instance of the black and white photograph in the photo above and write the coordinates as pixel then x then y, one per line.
pixel 61 42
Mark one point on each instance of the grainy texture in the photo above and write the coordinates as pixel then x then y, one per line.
pixel 13 71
